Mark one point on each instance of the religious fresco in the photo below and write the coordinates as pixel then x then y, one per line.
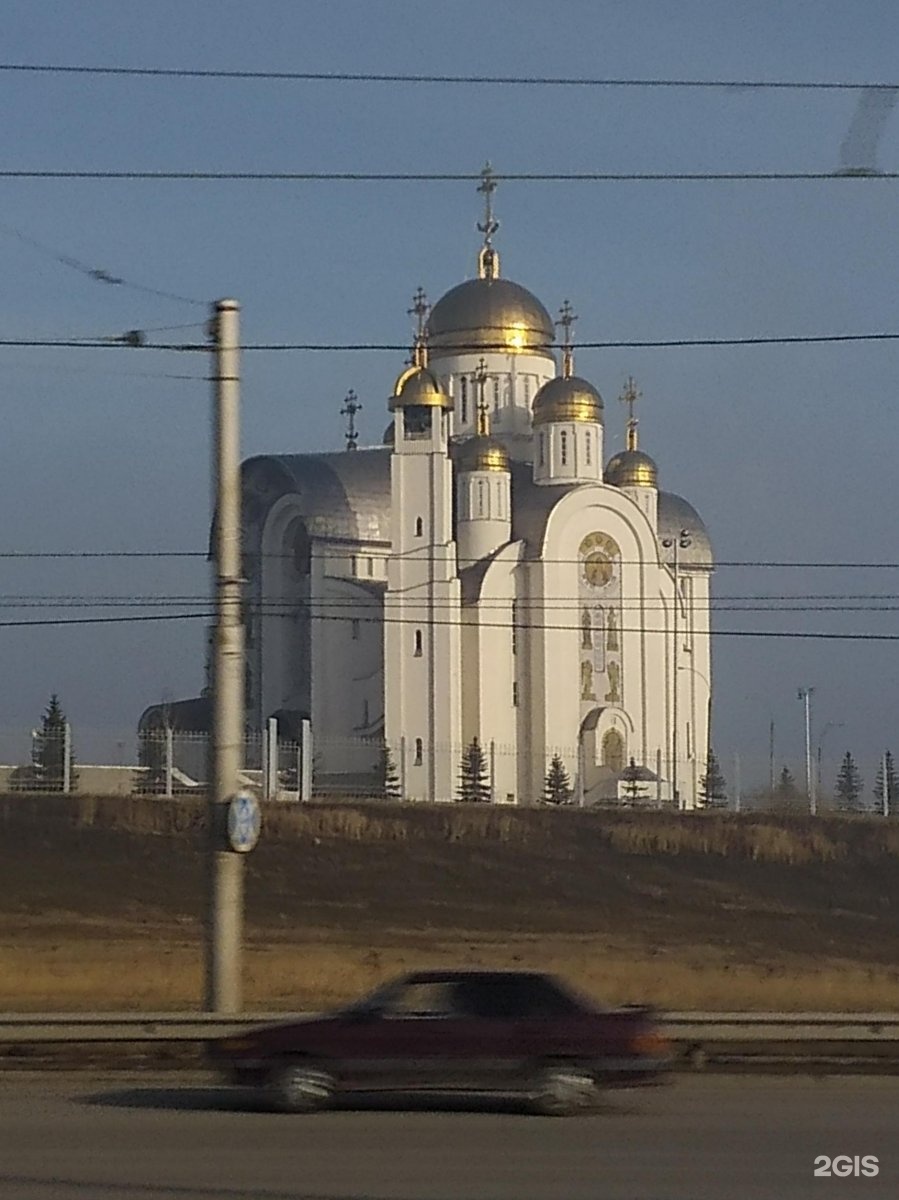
pixel 599 598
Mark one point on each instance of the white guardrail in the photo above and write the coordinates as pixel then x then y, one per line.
pixel 861 1031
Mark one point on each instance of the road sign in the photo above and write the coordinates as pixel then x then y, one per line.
pixel 244 822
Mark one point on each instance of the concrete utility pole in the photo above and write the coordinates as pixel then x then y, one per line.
pixel 806 695
pixel 683 541
pixel 224 931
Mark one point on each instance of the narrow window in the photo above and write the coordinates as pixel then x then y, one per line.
pixel 587 448
pixel 418 643
pixel 481 490
pixel 515 694
pixel 419 527
pixel 496 393
pixel 365 713
pixel 371 566
pixel 527 389
pixel 355 630
pixel 563 445
pixel 464 397
pixel 419 748
pixel 542 443
pixel 514 626
pixel 499 497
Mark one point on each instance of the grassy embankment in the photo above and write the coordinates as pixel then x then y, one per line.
pixel 102 903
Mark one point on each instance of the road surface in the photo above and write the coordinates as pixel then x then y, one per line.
pixel 153 1137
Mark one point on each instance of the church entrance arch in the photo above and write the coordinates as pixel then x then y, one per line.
pixel 602 753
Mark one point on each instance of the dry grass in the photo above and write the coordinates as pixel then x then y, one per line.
pixel 158 972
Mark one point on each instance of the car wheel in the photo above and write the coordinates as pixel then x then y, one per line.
pixel 298 1087
pixel 561 1089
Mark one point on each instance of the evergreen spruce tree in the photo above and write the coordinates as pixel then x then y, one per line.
pixel 848 791
pixel 786 786
pixel 634 786
pixel 48 758
pixel 387 780
pixel 474 785
pixel 557 788
pixel 892 788
pixel 712 785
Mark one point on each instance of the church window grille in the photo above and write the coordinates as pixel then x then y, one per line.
pixel 542 449
pixel 355 628
pixel 419 751
pixel 481 497
pixel 563 448
pixel 587 452
pixel 418 643
pixel 463 388
pixel 496 393
pixel 419 527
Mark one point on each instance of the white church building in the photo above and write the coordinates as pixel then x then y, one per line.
pixel 485 574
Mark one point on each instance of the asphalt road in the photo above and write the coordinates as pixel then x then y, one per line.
pixel 95 1137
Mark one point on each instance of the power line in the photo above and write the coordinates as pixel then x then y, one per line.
pixel 122 342
pixel 567 81
pixel 860 173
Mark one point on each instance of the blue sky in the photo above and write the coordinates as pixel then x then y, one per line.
pixel 788 452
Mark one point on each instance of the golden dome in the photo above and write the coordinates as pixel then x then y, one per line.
pixel 483 454
pixel 567 398
pixel 417 388
pixel 489 314
pixel 632 468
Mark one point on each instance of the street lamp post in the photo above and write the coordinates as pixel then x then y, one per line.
pixel 682 542
pixel 806 695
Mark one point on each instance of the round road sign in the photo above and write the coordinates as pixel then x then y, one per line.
pixel 244 822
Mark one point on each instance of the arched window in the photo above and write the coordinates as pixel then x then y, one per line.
pixel 586 630
pixel 499 497
pixel 496 393
pixel 418 643
pixel 563 448
pixel 613 750
pixel 587 448
pixel 463 393
pixel 482 489
pixel 419 750
pixel 542 447
pixel 419 527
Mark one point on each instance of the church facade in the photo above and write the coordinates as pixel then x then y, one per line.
pixel 486 576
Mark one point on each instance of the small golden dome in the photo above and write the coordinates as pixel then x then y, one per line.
pixel 567 398
pixel 489 314
pixel 632 468
pixel 417 388
pixel 483 454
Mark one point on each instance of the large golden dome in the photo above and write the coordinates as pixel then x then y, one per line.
pixel 567 398
pixel 489 314
pixel 417 388
pixel 632 468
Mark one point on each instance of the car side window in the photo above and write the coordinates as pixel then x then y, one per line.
pixel 422 1000
pixel 513 1000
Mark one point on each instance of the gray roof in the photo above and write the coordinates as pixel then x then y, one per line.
pixel 345 494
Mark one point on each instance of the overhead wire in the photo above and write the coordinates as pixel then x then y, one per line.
pixel 395 77
pixel 193 176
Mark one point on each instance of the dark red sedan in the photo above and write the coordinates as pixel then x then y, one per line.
pixel 452 1032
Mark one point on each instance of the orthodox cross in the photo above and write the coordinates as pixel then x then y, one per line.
pixel 488 259
pixel 421 311
pixel 567 317
pixel 350 407
pixel 629 398
pixel 480 378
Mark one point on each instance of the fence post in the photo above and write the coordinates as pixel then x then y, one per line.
pixel 492 771
pixel 305 780
pixel 169 761
pixel 658 778
pixel 270 760
pixel 403 767
pixel 67 757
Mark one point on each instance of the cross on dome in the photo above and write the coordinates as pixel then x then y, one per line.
pixel 488 258
pixel 351 406
pixel 421 311
pixel 629 398
pixel 567 317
